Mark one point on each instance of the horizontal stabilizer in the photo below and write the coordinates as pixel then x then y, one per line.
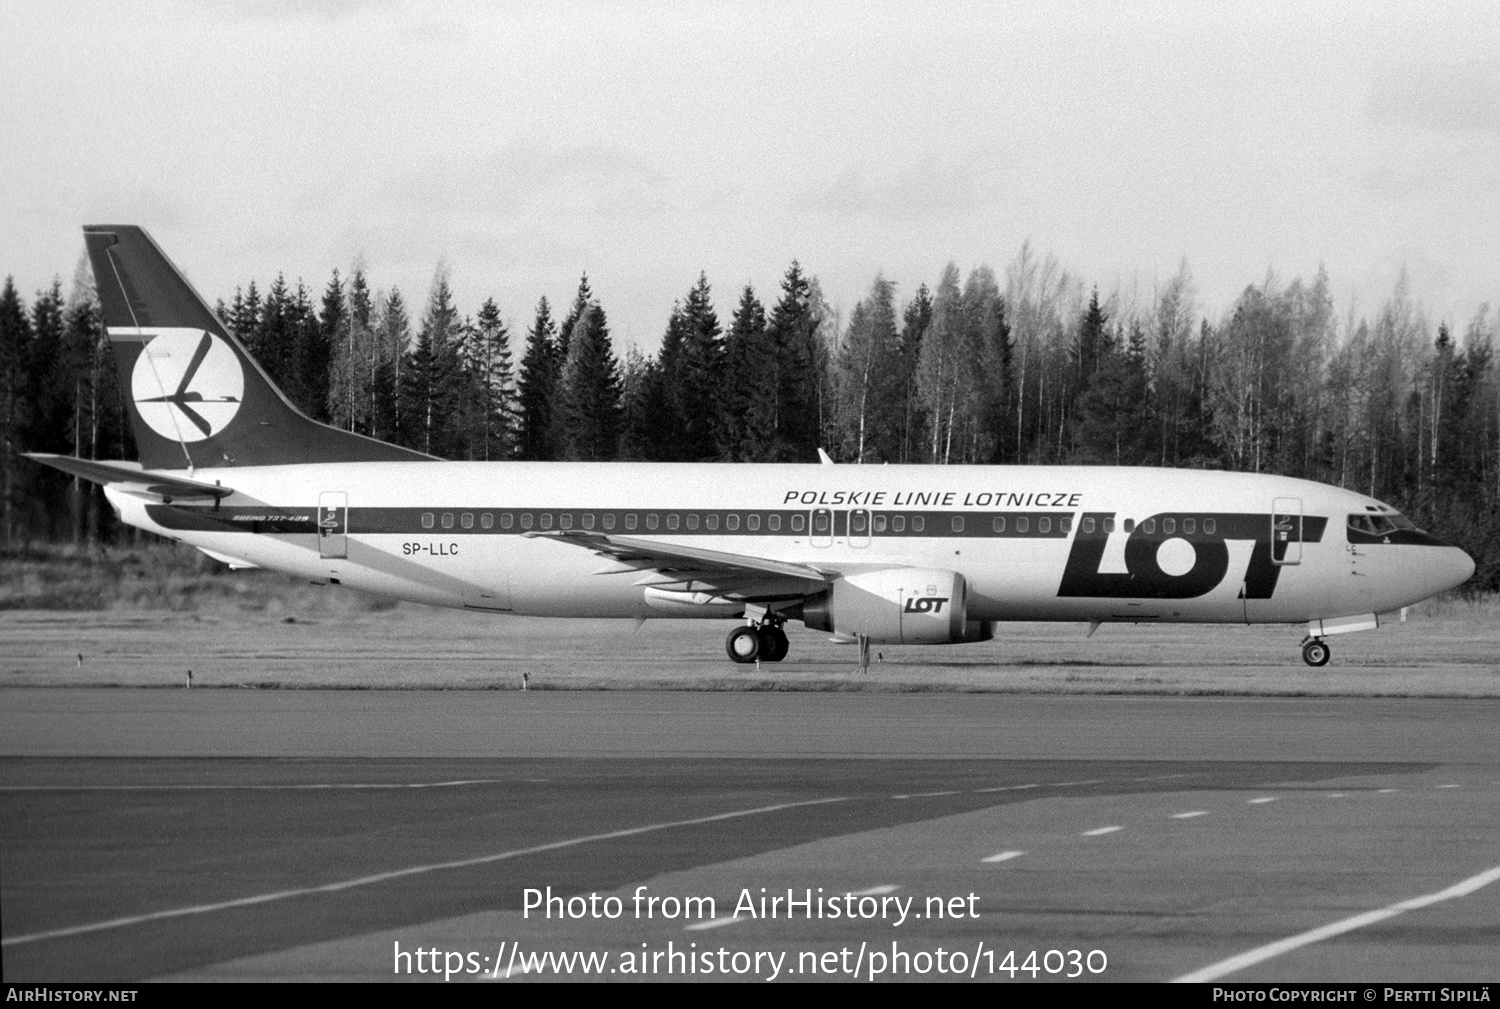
pixel 109 472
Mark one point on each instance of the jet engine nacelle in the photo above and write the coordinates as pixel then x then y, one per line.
pixel 923 606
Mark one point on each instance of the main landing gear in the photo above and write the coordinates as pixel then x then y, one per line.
pixel 1315 652
pixel 766 642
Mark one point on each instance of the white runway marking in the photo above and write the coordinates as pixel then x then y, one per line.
pixel 1190 814
pixel 876 891
pixel 1215 971
pixel 1385 791
pixel 1101 830
pixel 1257 802
pixel 1004 788
pixel 924 795
pixel 1450 786
pixel 313 786
pixel 1004 856
pixel 1338 795
pixel 414 870
pixel 703 926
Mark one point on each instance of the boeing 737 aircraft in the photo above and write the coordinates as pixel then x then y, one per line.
pixel 892 554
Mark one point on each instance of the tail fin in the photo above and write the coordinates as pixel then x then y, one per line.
pixel 196 397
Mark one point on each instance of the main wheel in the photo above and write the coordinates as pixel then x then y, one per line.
pixel 743 644
pixel 773 644
pixel 1316 653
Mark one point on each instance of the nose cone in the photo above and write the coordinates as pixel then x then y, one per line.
pixel 1449 568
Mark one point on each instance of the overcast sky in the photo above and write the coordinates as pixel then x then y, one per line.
pixel 643 143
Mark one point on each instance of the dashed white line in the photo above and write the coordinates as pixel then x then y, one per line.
pixel 1262 799
pixel 414 870
pixel 1004 788
pixel 924 795
pixel 1450 786
pixel 1190 814
pixel 1385 791
pixel 1338 795
pixel 1214 971
pixel 289 787
pixel 875 891
pixel 1101 830
pixel 703 926
pixel 1003 856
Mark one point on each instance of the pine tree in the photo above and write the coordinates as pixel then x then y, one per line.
pixel 915 321
pixel 491 362
pixel 591 389
pixel 700 374
pixel 15 400
pixel 537 388
pixel 793 332
pixel 748 384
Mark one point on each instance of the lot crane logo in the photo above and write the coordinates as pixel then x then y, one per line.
pixel 187 384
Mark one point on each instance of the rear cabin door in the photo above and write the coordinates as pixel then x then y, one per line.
pixel 333 524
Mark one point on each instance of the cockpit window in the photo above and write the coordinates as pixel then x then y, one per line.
pixel 1379 525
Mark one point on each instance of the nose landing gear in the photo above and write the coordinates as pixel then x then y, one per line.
pixel 1315 652
pixel 765 642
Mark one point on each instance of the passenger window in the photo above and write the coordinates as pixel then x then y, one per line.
pixel 546 522
pixel 1044 525
pixel 799 522
pixel 752 523
pixel 1067 525
pixel 507 520
pixel 652 521
pixel 820 523
pixel 773 523
pixel 1023 524
pixel 712 521
pixel 1130 525
pixel 898 523
pixel 999 523
pixel 1149 527
pixel 880 523
pixel 467 520
pixel 1169 526
pixel 1088 525
pixel 609 522
pixel 732 523
pixel 1109 525
pixel 958 523
pixel 1189 526
pixel 486 521
pixel 1209 526
pixel 631 521
pixel 692 521
pixel 588 520
pixel 427 520
pixel 565 520
pixel 673 521
pixel 526 520
pixel 447 520
pixel 918 523
pixel 858 521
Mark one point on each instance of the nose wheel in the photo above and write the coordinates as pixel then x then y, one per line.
pixel 1315 652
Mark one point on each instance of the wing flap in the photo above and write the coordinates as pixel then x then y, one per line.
pixel 695 568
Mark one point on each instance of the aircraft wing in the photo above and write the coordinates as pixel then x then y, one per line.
pixel 132 477
pixel 738 576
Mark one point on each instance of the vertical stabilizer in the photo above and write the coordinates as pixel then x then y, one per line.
pixel 196 397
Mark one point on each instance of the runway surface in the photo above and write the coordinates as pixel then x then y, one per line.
pixel 320 834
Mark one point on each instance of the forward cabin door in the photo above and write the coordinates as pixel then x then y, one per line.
pixel 333 525
pixel 1286 530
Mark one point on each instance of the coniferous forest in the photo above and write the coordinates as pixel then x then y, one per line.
pixel 1029 365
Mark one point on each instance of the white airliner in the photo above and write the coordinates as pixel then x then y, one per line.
pixel 892 554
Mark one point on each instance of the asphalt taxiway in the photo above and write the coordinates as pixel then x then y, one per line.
pixel 223 834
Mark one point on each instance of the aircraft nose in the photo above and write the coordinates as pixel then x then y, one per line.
pixel 1450 569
